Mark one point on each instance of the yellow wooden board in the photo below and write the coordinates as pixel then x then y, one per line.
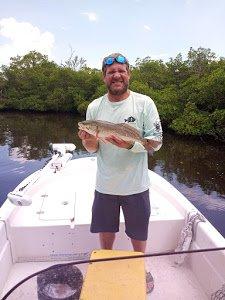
pixel 115 280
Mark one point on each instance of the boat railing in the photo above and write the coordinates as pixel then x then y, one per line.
pixel 61 155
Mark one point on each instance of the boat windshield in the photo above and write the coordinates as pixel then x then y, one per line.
pixel 168 275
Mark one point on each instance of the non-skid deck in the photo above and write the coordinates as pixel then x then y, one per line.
pixel 171 282
pixel 28 290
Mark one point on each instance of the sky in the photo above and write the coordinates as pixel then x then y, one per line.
pixel 93 29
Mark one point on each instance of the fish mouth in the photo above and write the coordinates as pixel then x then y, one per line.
pixel 80 125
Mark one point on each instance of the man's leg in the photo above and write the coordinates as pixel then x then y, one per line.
pixel 107 239
pixel 137 210
pixel 139 246
pixel 105 218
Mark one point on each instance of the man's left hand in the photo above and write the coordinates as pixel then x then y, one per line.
pixel 119 142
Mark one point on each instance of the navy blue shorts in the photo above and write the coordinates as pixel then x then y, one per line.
pixel 136 209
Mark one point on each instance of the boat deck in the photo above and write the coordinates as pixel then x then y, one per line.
pixel 32 236
pixel 174 282
pixel 171 282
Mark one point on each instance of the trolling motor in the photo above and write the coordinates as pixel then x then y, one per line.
pixel 62 153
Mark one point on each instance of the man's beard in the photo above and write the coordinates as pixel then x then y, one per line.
pixel 118 92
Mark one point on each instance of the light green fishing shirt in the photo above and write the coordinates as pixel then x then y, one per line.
pixel 121 171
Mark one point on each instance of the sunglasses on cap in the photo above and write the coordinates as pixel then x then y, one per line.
pixel 108 61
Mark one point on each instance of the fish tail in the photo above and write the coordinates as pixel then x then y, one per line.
pixel 144 142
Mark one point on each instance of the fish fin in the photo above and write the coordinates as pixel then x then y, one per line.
pixel 145 144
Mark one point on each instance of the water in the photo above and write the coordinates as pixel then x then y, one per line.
pixel 195 167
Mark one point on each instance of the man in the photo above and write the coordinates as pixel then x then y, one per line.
pixel 122 167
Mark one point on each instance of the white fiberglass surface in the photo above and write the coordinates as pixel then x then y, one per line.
pixel 171 281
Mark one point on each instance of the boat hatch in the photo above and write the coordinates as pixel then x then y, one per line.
pixel 58 205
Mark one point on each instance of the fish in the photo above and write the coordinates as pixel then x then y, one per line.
pixel 104 129
pixel 129 120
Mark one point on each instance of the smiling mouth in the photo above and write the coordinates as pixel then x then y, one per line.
pixel 117 82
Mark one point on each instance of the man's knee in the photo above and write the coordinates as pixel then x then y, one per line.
pixel 107 239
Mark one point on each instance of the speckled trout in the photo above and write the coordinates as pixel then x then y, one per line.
pixel 104 129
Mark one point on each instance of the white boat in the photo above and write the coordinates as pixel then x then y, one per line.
pixel 46 219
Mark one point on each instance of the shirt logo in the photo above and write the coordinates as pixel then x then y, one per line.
pixel 157 126
pixel 129 120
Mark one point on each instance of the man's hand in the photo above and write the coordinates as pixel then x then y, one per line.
pixel 150 145
pixel 89 141
pixel 83 135
pixel 119 142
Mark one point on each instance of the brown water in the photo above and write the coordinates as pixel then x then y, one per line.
pixel 195 167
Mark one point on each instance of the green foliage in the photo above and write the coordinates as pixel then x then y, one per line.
pixel 218 119
pixel 101 90
pixel 82 107
pixel 27 81
pixel 151 72
pixel 193 122
pixel 140 87
pixel 199 60
pixel 178 70
pixel 212 91
pixel 168 104
pixel 189 94
pixel 207 92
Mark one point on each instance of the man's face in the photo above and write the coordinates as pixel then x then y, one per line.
pixel 117 78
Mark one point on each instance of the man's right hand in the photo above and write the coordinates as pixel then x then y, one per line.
pixel 83 135
pixel 90 142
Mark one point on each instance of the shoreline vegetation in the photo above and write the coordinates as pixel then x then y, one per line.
pixel 189 94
